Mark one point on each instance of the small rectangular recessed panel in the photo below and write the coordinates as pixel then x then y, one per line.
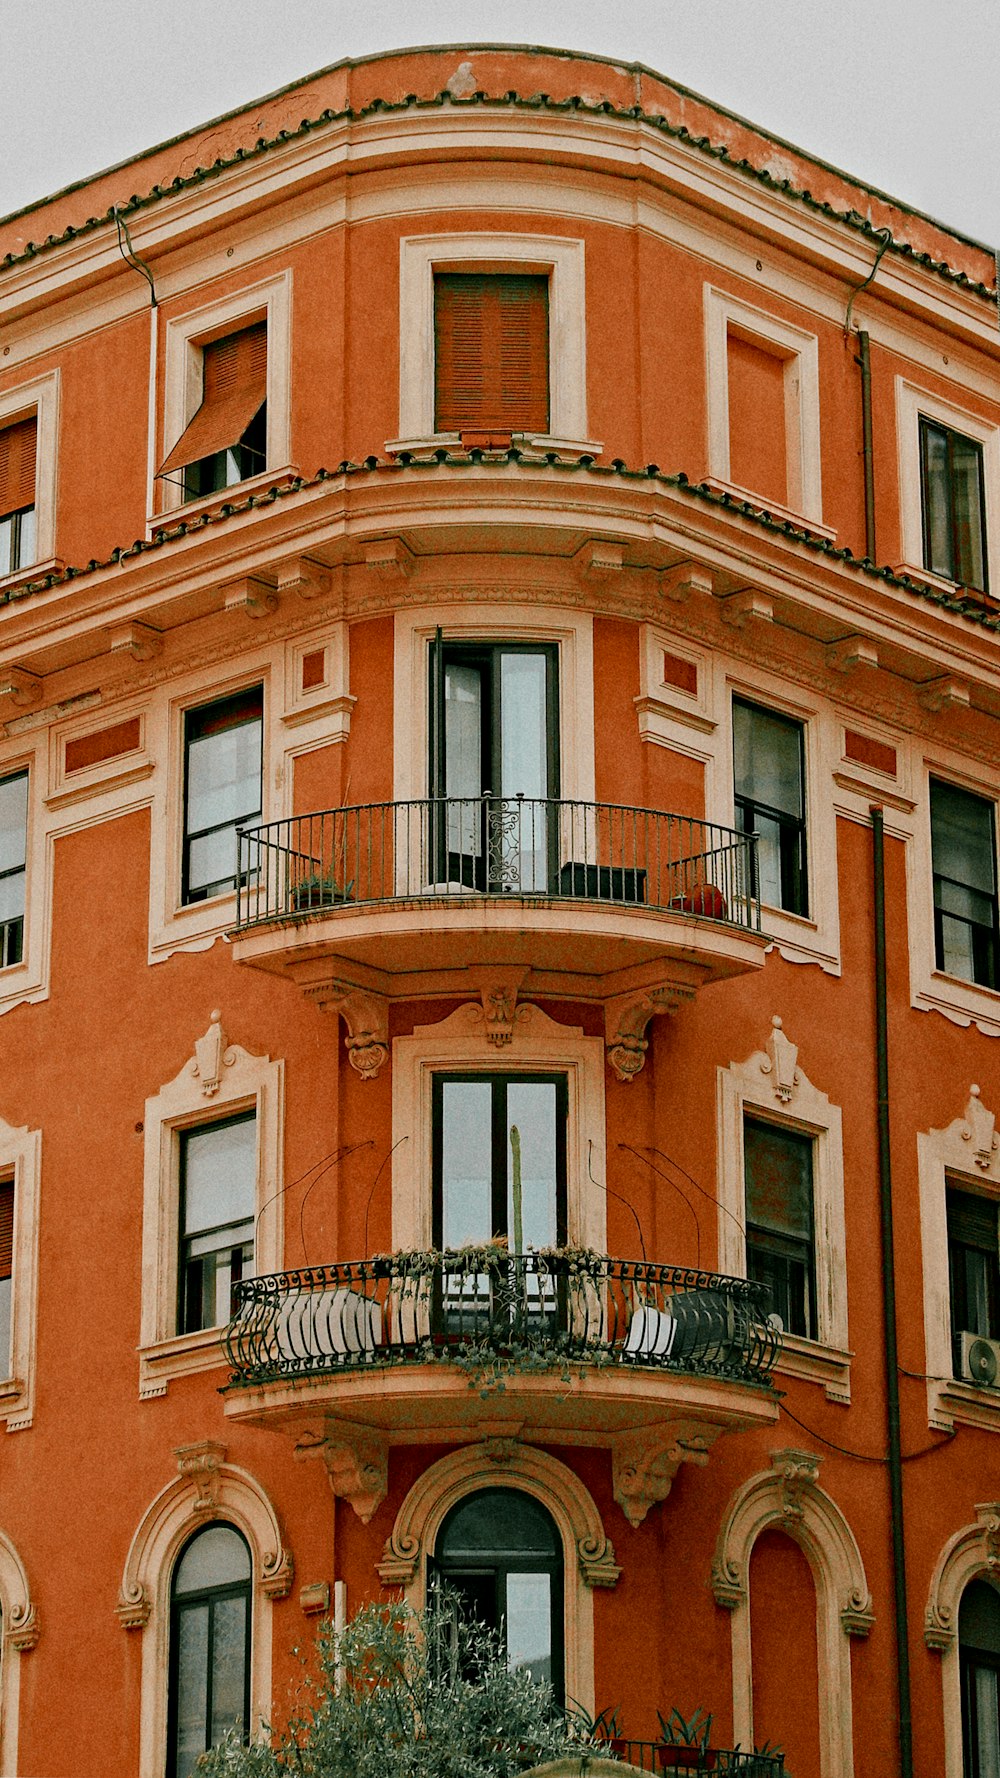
pixel 102 744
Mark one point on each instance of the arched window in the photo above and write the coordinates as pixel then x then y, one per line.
pixel 209 1645
pixel 979 1659
pixel 500 1551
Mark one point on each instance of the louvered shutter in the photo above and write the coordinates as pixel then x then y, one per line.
pixel 17 465
pixel 6 1234
pixel 491 352
pixel 235 386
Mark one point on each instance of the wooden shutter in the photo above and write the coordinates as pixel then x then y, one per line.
pixel 6 1234
pixel 17 465
pixel 491 352
pixel 235 386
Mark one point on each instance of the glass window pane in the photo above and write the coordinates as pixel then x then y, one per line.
pixel 502 1522
pixel 12 897
pixel 967 492
pixel 229 1628
pixel 531 1110
pixel 979 1617
pixel 215 1557
pixel 523 739
pixel 213 858
pixel 466 1161
pixel 529 1624
pixel 224 776
pixel 27 550
pixel 778 1179
pixel 936 499
pixel 220 1172
pixel 987 1722
pixel 13 820
pixel 962 837
pixel 767 751
pixel 463 717
pixel 6 545
pixel 192 1687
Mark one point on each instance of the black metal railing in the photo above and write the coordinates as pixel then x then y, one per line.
pixel 556 1306
pixel 649 1757
pixel 496 846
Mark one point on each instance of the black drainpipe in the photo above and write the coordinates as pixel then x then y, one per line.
pixel 889 1306
pixel 864 360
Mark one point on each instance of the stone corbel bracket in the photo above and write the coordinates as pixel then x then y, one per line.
pixel 600 564
pixel 308 579
pixel 357 1466
pixel 852 652
pixel 366 1016
pixel 944 694
pixel 683 579
pixel 201 1464
pixel 644 1464
pixel 250 595
pixel 22 687
pixel 626 1017
pixel 23 1629
pixel 749 605
pixel 139 641
pixel 389 559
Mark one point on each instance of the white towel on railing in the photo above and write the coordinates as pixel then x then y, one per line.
pixel 651 1333
pixel 327 1324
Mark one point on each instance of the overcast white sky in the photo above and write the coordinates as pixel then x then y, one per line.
pixel 903 93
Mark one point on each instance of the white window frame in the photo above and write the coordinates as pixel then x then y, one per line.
pixel 770 1086
pixel 20 1625
pixel 946 1157
pixel 571 631
pixel 183 385
pixel 963 1002
pixel 461 1042
pixel 216 1083
pixel 561 260
pixel 799 350
pixel 41 397
pixel 912 402
pixel 21 1156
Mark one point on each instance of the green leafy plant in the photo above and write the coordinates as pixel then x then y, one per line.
pixel 678 1731
pixel 404 1694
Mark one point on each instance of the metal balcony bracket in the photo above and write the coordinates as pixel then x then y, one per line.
pixel 498 988
pixel 366 1016
pixel 626 1018
pixel 644 1464
pixel 357 1466
pixel 251 596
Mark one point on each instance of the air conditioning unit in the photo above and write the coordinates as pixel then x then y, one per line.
pixel 979 1358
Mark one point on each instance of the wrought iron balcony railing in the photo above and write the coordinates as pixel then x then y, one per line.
pixel 550 1307
pixel 654 1756
pixel 526 847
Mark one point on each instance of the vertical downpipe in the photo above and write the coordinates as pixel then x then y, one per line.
pixel 864 360
pixel 889 1304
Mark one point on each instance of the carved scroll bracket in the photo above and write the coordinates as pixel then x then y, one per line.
pixel 202 1465
pixel 24 1628
pixel 22 687
pixel 944 694
pixel 389 559
pixel 357 1466
pixel 796 1471
pixel 499 988
pixel 366 1016
pixel 749 605
pixel 626 1018
pixel 644 1464
pixel 140 641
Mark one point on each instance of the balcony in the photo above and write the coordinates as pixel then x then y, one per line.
pixel 590 901
pixel 563 1346
pixel 656 1756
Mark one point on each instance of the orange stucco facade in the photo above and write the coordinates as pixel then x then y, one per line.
pixel 748 1564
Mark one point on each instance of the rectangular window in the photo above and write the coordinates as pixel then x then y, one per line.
pixel 769 776
pixel 973 1267
pixel 6 1272
pixel 222 788
pixel 18 447
pixel 491 352
pixel 494 767
pixel 964 862
pixel 952 504
pixel 13 858
pixel 226 441
pixel 778 1166
pixel 218 1201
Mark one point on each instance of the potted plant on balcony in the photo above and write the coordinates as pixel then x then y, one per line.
pixel 685 1742
pixel 317 891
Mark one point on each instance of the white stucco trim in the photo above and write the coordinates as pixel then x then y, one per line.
pixel 799 353
pixel 973 1553
pixel 911 403
pixel 966 1154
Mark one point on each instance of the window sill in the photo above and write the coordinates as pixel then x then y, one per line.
pixel 813 1362
pixel 800 939
pixel 187 511
pixel 199 924
pixel 799 519
pixel 942 584
pixel 32 571
pixel 178 1356
pixel 964 1003
pixel 951 1402
pixel 521 441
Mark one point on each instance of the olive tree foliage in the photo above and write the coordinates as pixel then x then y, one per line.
pixel 405 1694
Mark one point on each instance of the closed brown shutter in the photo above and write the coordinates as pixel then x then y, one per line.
pixel 17 465
pixel 491 352
pixel 6 1234
pixel 235 386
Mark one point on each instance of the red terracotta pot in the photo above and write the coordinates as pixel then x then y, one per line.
pixel 687 1759
pixel 706 900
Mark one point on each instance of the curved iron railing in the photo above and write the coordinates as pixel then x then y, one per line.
pixel 553 1306
pixel 498 847
pixel 648 1756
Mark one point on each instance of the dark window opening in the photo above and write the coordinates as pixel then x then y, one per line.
pixel 769 781
pixel 778 1167
pixel 226 441
pixel 494 755
pixel 500 1554
pixel 964 862
pixel 209 1676
pixel 6 1274
pixel 979 1666
pixel 973 1269
pixel 953 505
pixel 13 866
pixel 217 1204
pixel 222 789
